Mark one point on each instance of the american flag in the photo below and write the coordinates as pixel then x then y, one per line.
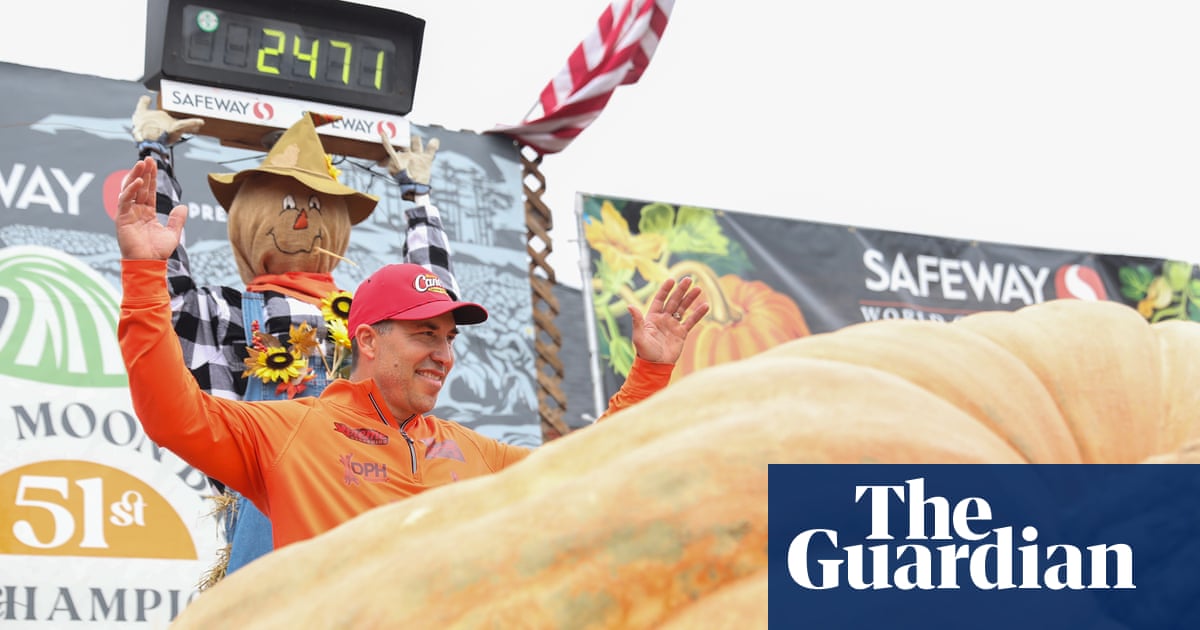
pixel 615 53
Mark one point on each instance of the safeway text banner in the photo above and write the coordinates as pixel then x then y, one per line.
pixel 769 280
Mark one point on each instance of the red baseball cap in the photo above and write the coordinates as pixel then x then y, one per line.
pixel 408 292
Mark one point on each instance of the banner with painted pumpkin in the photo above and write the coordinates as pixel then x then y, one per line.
pixel 769 279
pixel 99 527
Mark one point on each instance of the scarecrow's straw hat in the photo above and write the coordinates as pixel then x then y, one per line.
pixel 297 154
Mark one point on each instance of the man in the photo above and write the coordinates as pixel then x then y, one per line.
pixel 313 463
pixel 289 221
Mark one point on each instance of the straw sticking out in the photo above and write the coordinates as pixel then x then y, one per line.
pixel 326 251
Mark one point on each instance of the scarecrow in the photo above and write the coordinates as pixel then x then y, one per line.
pixel 284 335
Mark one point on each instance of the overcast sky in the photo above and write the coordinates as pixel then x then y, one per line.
pixel 1067 124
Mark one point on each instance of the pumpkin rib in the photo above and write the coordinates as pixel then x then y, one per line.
pixel 1108 355
pixel 1179 343
pixel 970 371
pixel 813 389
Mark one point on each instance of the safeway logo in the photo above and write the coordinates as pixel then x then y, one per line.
pixel 1079 282
pixel 263 111
pixel 387 128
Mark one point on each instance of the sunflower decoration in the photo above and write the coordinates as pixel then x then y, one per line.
pixel 336 309
pixel 336 306
pixel 288 366
pixel 272 362
pixel 339 333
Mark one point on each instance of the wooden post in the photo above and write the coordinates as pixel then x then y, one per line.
pixel 552 402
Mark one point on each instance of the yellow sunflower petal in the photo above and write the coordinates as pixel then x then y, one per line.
pixel 279 365
pixel 252 362
pixel 338 332
pixel 336 305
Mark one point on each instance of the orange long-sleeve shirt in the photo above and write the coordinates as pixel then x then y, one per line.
pixel 310 463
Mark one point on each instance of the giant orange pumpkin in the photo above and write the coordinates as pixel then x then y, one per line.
pixel 657 517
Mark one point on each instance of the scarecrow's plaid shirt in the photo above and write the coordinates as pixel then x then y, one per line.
pixel 208 319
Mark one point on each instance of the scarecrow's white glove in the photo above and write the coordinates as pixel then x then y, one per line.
pixel 411 167
pixel 157 130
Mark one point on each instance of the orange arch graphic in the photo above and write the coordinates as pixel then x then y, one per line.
pixel 82 508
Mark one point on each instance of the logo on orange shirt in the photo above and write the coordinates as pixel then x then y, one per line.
pixel 366 436
pixel 447 449
pixel 352 471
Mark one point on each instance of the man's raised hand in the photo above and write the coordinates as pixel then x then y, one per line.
pixel 659 333
pixel 139 233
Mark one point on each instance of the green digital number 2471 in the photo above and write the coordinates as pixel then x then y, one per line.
pixel 311 56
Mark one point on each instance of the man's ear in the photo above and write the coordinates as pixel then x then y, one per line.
pixel 365 338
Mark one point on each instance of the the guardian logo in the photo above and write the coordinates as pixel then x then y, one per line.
pixel 948 546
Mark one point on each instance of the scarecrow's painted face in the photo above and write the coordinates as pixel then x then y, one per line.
pixel 278 225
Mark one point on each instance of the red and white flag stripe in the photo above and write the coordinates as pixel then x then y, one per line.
pixel 615 53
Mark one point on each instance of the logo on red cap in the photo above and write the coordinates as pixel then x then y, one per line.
pixel 406 291
pixel 428 282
